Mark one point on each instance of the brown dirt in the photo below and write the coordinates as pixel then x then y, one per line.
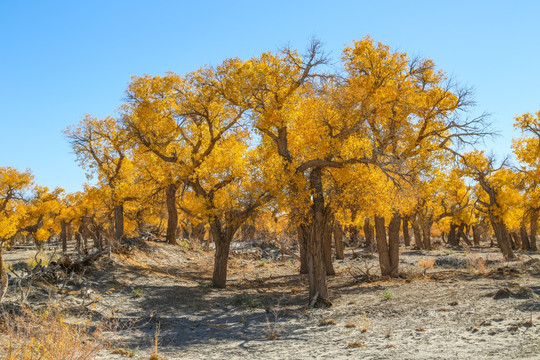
pixel 449 311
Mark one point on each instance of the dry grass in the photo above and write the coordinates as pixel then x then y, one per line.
pixel 46 335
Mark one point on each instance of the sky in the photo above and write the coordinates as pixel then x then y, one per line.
pixel 60 60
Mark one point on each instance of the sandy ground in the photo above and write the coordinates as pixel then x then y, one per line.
pixel 160 292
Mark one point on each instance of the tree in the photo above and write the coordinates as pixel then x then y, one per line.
pixel 527 151
pixel 384 112
pixel 491 181
pixel 102 148
pixel 14 186
pixel 188 123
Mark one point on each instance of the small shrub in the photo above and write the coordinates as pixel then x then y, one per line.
pixel 387 294
pixel 136 292
pixel 245 300
pixel 326 322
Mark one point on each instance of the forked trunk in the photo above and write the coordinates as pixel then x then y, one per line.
pixel 172 213
pixel 338 238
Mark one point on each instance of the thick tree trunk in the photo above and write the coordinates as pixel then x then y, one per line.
pixel 382 247
pixel 327 249
pixel 476 235
pixel 119 223
pixel 426 234
pixel 417 236
pixel 406 236
pixel 338 238
pixel 221 258
pixel 318 289
pixel 462 234
pixel 452 238
pixel 501 233
pixel 303 235
pixel 393 243
pixel 172 213
pixel 534 229
pixel 525 244
pixel 369 234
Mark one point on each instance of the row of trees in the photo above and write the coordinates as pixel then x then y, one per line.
pixel 380 139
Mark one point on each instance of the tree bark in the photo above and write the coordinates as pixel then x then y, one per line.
pixel 64 235
pixel 534 229
pixel 463 235
pixel 369 234
pixel 172 212
pixel 3 275
pixel 393 243
pixel 525 244
pixel 516 244
pixel 119 223
pixel 338 238
pixel 406 236
pixel 417 236
pixel 222 241
pixel 501 233
pixel 318 288
pixel 476 235
pixel 303 236
pixel 327 249
pixel 426 235
pixel 452 238
pixel 354 236
pixel 382 247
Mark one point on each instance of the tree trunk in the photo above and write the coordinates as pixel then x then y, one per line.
pixel 382 247
pixel 534 229
pixel 525 244
pixel 3 275
pixel 501 233
pixel 338 238
pixel 119 223
pixel 369 234
pixel 303 235
pixel 426 234
pixel 514 240
pixel 417 236
pixel 64 235
pixel 318 289
pixel 452 238
pixel 172 212
pixel 476 235
pixel 463 235
pixel 353 233
pixel 406 236
pixel 327 249
pixel 221 258
pixel 393 243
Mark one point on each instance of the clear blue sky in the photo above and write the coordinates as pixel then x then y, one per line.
pixel 60 60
